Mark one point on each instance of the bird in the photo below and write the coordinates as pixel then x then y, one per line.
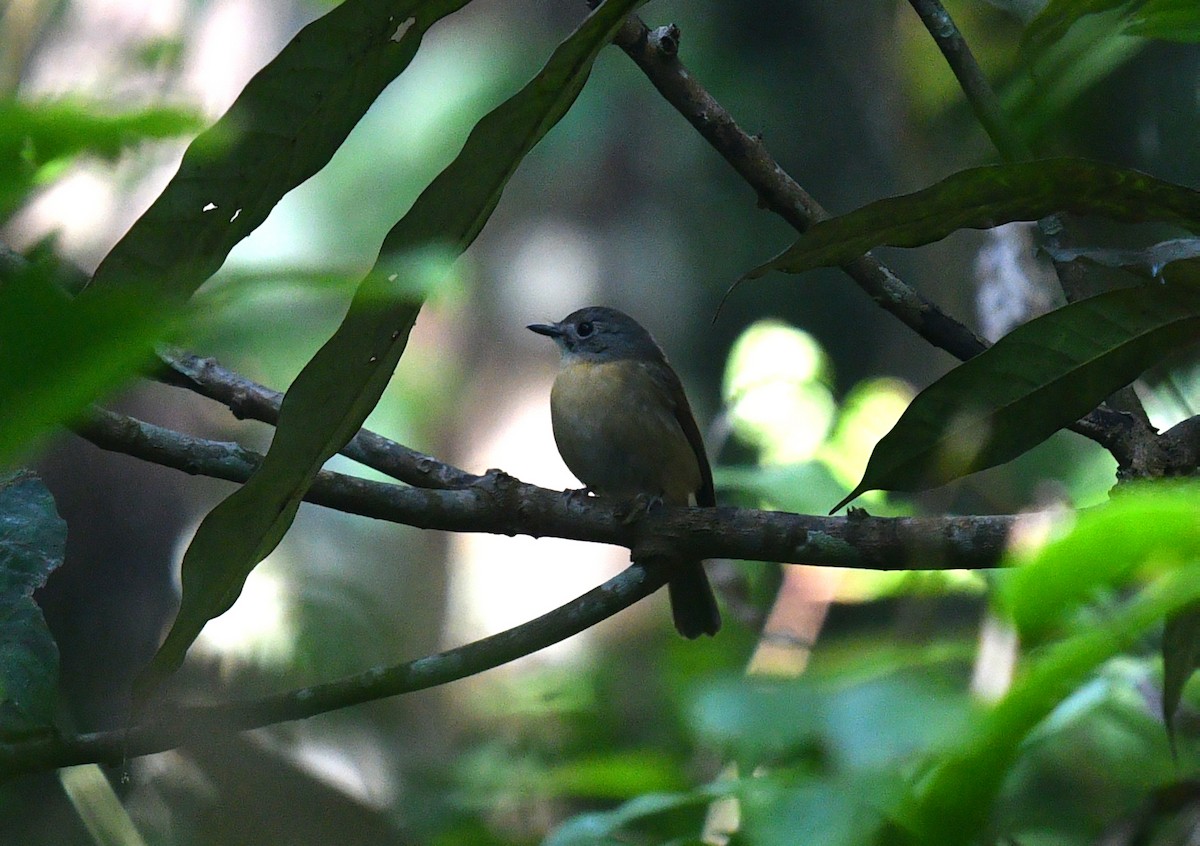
pixel 623 426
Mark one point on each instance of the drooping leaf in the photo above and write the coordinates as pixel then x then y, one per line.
pixel 58 354
pixel 36 138
pixel 32 542
pixel 983 197
pixel 1037 379
pixel 336 391
pixel 286 124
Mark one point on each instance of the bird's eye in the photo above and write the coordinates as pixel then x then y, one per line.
pixel 584 329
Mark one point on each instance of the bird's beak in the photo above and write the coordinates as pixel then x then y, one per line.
pixel 550 330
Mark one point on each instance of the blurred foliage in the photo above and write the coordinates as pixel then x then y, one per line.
pixel 40 141
pixel 646 738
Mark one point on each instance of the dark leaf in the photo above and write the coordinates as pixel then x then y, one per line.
pixel 284 127
pixel 1181 654
pixel 32 540
pixel 983 197
pixel 1033 382
pixel 336 391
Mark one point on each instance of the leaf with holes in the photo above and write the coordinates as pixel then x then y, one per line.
pixel 1034 381
pixel 284 127
pixel 337 389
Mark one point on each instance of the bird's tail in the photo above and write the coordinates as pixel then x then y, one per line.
pixel 693 606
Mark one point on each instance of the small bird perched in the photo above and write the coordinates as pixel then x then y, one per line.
pixel 624 427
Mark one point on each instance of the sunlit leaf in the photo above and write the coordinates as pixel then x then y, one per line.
pixel 1059 15
pixel 37 135
pixel 984 197
pixel 1169 20
pixel 615 775
pixel 32 542
pixel 1153 525
pixel 1037 379
pixel 953 804
pixel 284 127
pixel 335 392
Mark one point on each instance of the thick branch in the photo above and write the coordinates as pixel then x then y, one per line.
pixel 183 725
pixel 655 53
pixel 499 504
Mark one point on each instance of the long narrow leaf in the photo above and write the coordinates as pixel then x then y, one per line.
pixel 337 389
pixel 983 197
pixel 1033 382
pixel 284 127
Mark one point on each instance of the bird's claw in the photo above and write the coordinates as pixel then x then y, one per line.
pixel 641 505
pixel 571 495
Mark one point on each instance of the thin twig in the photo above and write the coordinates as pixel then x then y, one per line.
pixel 179 726
pixel 249 400
pixel 982 99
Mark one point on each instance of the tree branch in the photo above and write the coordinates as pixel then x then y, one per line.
pixel 500 504
pixel 249 400
pixel 655 52
pixel 181 725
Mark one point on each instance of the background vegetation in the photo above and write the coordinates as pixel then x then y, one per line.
pixel 311 240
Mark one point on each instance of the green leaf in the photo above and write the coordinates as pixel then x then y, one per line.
pixel 57 354
pixel 286 124
pixel 1037 379
pixel 605 826
pixel 1151 524
pixel 1058 16
pixel 952 805
pixel 37 138
pixel 1181 656
pixel 615 775
pixel 983 197
pixel 32 542
pixel 335 392
pixel 1169 20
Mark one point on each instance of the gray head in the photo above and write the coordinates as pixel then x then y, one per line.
pixel 601 333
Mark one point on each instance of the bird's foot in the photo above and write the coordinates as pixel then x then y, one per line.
pixel 639 506
pixel 571 495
